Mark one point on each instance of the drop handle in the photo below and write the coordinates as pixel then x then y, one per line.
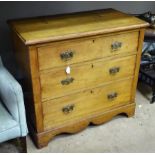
pixel 67 109
pixel 116 45
pixel 67 81
pixel 67 55
pixel 112 95
pixel 114 70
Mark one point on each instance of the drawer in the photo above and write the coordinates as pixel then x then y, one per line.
pixel 70 52
pixel 56 83
pixel 85 104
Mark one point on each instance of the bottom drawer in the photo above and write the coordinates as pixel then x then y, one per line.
pixel 81 105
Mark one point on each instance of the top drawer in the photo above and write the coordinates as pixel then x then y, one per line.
pixel 69 52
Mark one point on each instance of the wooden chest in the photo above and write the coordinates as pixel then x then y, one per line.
pixel 77 69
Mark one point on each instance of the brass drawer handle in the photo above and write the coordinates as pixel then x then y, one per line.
pixel 112 96
pixel 67 55
pixel 67 109
pixel 67 81
pixel 114 70
pixel 116 46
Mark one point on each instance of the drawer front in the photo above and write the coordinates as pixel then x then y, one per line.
pixel 82 105
pixel 69 52
pixel 56 83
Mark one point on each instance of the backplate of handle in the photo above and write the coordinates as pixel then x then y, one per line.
pixel 67 81
pixel 116 45
pixel 114 70
pixel 67 55
pixel 112 95
pixel 67 109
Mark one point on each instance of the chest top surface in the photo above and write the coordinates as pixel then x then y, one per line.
pixel 60 27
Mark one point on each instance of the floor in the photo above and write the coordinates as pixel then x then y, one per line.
pixel 121 134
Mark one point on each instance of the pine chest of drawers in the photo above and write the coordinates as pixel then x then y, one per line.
pixel 77 69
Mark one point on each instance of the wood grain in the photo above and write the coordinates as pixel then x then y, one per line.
pixel 38 44
pixel 42 139
pixel 36 88
pixel 46 29
pixel 86 76
pixel 140 42
pixel 97 47
pixel 85 103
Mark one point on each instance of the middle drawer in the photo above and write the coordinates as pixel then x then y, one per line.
pixel 57 83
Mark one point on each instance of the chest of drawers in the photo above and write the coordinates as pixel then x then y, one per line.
pixel 102 51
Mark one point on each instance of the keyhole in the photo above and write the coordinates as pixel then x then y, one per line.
pixel 93 41
pixel 92 66
pixel 91 92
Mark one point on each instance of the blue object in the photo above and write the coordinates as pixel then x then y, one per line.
pixel 12 110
